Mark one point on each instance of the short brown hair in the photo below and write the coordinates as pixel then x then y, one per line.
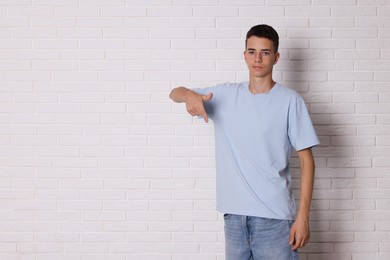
pixel 264 31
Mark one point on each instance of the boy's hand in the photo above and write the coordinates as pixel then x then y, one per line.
pixel 194 104
pixel 299 234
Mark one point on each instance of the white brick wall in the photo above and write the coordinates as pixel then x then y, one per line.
pixel 98 164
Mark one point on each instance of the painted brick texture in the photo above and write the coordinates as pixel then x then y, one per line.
pixel 98 164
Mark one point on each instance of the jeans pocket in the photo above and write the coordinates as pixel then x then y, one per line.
pixel 290 223
pixel 226 216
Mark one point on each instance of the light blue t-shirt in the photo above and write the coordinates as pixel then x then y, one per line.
pixel 255 135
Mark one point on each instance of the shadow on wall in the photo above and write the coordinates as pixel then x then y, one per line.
pixel 294 71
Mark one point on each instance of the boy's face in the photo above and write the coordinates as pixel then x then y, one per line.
pixel 260 56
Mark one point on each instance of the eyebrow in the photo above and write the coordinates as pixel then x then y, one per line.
pixel 251 49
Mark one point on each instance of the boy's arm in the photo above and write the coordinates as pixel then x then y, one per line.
pixel 300 233
pixel 193 100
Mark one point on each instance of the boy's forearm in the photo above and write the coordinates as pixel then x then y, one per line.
pixel 178 94
pixel 307 183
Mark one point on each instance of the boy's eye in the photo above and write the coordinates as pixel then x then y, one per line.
pixel 265 53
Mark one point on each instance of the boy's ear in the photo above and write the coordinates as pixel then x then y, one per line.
pixel 277 56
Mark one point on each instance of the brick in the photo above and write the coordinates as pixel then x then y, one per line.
pixel 28 162
pixel 86 248
pixel 173 11
pixel 103 216
pixel 360 204
pixel 190 3
pixel 58 87
pixel 102 44
pixel 107 256
pixel 127 184
pixel 17 2
pixel 307 11
pixel 76 11
pixel 340 43
pixel 53 22
pixel 115 140
pixel 374 256
pixel 35 98
pixel 79 33
pixel 183 248
pixel 132 248
pixel 138 205
pixel 34 205
pixel 56 3
pixel 238 22
pixel 80 205
pixel 217 33
pixel 82 55
pixel 168 76
pixel 356 247
pixel 121 76
pixel 172 33
pixel 374 130
pixel 20 237
pixel 349 162
pixel 57 195
pixel 331 237
pixel 354 184
pixel 371 43
pixel 203 22
pixel 357 55
pixel 147 44
pixel 383 204
pixel 332 194
pixel 381 76
pixel 74 162
pixel 352 141
pixel 103 195
pixel 149 2
pixel 80 227
pixel 102 2
pixel 351 11
pixel 373 108
pixel 166 162
pixel 348 76
pixel 139 65
pixel 8 248
pixel 121 162
pixel 330 65
pixel 220 11
pixel 380 162
pixel 173 205
pixel 333 152
pixel 196 216
pixel 373 22
pixel 55 44
pixel 334 2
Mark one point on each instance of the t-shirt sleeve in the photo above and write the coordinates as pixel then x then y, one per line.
pixel 301 132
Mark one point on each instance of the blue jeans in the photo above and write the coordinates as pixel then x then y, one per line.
pixel 254 238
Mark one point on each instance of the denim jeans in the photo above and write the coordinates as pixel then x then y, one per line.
pixel 254 238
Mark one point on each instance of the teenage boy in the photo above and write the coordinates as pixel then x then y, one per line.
pixel 257 125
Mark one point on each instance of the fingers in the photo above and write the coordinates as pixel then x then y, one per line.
pixel 208 97
pixel 195 106
pixel 292 237
pixel 199 112
pixel 298 242
pixel 206 117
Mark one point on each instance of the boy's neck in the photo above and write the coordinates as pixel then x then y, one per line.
pixel 261 85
